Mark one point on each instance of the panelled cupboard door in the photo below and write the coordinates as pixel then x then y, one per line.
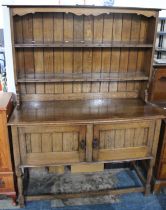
pixel 46 145
pixel 124 140
pixel 5 164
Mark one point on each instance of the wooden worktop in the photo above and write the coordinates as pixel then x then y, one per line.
pixel 83 111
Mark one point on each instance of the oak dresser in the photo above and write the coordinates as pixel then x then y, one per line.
pixel 82 74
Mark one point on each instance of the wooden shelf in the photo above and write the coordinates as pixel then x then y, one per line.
pixel 85 44
pixel 81 77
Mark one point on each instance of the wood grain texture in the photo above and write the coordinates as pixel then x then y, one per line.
pixel 7 186
pixel 80 74
pixel 52 140
pixel 87 168
pixel 83 111
pixel 105 43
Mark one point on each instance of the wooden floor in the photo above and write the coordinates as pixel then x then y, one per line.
pixel 83 111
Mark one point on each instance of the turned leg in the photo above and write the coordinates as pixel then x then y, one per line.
pixel 17 162
pixel 149 177
pixel 20 187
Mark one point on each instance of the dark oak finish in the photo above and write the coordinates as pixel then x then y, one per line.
pixel 158 98
pixel 158 84
pixel 81 77
pixel 83 43
pixel 7 186
pixel 108 53
pixel 160 167
pixel 83 111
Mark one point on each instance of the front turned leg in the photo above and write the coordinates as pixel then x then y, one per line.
pixel 19 175
pixel 149 177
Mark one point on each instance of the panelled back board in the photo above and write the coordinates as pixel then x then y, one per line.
pixel 61 55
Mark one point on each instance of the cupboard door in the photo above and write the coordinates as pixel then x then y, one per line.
pixel 49 145
pixel 5 164
pixel 124 140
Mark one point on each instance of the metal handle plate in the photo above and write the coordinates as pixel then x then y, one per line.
pixel 83 144
pixel 95 144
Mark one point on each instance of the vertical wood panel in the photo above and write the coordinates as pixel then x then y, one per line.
pixel 87 52
pixel 38 52
pixel 143 29
pixel 78 54
pixel 58 53
pixel 96 68
pixel 139 136
pixel 110 139
pixel 115 56
pixel 75 141
pixel 36 142
pixel 48 68
pixel 123 66
pixel 57 142
pixel 68 68
pixel 102 139
pixel 47 142
pixel 18 30
pixel 145 138
pixel 87 67
pixel 28 142
pixel 141 52
pixel 129 137
pixel 107 27
pixel 133 54
pixel 20 67
pixel 67 142
pixel 68 53
pixel 106 56
pixel 48 31
pixel 97 57
pixel 117 27
pixel 106 52
pixel 27 22
pixel 29 68
pixel 119 138
pixel 88 28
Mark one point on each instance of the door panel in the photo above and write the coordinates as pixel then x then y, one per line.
pixel 124 140
pixel 52 144
pixel 5 164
